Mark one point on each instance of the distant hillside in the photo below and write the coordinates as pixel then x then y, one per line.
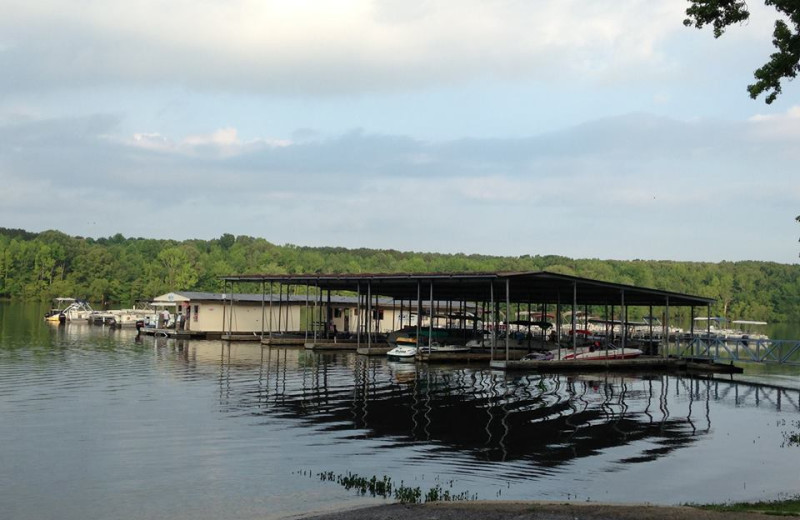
pixel 40 266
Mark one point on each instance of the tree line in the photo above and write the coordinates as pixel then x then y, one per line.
pixel 120 270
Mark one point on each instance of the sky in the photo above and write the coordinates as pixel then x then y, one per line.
pixel 504 127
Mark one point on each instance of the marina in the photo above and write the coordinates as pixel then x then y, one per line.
pixel 466 317
pixel 527 318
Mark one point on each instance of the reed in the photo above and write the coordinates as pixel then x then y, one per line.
pixel 385 488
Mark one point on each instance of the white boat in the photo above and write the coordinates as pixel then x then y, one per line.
pixel 716 330
pixel 745 330
pixel 73 310
pixel 594 352
pixel 123 317
pixel 611 353
pixel 402 353
pixel 436 347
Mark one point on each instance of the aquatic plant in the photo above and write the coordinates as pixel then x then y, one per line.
pixel 383 487
pixel 787 506
pixel 790 438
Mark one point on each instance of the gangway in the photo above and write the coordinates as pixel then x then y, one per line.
pixel 786 352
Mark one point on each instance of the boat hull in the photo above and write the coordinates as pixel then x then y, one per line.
pixel 402 353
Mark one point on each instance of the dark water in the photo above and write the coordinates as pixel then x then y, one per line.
pixel 99 424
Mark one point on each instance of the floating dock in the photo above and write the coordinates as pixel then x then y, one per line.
pixel 172 333
pixel 637 364
pixel 344 345
pixel 468 357
pixel 374 350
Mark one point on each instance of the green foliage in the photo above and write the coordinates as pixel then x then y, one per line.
pixel 786 507
pixel 118 269
pixel 384 488
pixel 783 64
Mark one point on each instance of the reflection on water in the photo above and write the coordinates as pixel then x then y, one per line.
pixel 112 425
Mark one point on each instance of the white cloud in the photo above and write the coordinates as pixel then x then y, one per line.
pixel 629 174
pixel 222 143
pixel 333 47
pixel 777 133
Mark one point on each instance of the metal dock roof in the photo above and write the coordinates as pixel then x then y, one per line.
pixel 534 286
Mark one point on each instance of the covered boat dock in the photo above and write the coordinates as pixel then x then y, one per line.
pixel 485 296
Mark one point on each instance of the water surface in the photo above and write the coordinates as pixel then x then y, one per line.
pixel 101 424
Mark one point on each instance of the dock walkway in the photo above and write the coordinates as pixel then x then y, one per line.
pixel 637 364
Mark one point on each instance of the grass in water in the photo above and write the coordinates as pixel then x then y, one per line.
pixel 385 488
pixel 787 507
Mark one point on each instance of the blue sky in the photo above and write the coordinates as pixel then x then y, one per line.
pixel 570 127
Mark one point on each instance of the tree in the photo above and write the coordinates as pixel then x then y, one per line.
pixel 179 269
pixel 784 64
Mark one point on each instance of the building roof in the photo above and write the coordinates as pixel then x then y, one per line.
pixel 177 297
pixel 523 287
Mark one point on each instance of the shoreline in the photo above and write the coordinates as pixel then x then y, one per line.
pixel 524 510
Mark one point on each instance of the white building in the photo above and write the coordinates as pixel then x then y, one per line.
pixel 215 313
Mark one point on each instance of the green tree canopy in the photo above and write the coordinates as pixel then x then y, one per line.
pixel 783 64
pixel 118 269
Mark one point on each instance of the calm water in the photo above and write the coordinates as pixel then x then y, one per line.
pixel 99 424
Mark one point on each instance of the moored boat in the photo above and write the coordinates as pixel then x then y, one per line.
pixel 597 352
pixel 402 353
pixel 68 309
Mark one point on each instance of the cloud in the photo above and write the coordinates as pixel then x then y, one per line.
pixel 632 174
pixel 777 127
pixel 222 143
pixel 324 48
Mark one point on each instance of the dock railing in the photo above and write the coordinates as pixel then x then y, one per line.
pixel 785 352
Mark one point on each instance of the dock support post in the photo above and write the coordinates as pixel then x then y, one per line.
pixel 508 312
pixel 558 317
pixel 270 313
pixel 230 314
pixel 419 311
pixel 574 309
pixel 307 310
pixel 329 317
pixel 623 312
pixel 359 312
pixel 369 316
pixel 494 319
pixel 430 324
pixel 377 317
pixel 224 306
pixel 708 329
pixel 666 322
pixel 263 307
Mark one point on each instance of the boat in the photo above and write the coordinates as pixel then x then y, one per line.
pixel 436 347
pixel 596 352
pixel 122 317
pixel 609 353
pixel 716 330
pixel 402 353
pixel 516 340
pixel 538 356
pixel 68 309
pixel 745 330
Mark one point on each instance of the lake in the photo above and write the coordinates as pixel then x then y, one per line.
pixel 99 423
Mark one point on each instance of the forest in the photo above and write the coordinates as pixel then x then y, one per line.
pixel 119 270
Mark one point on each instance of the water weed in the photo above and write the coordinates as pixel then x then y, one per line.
pixel 384 487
